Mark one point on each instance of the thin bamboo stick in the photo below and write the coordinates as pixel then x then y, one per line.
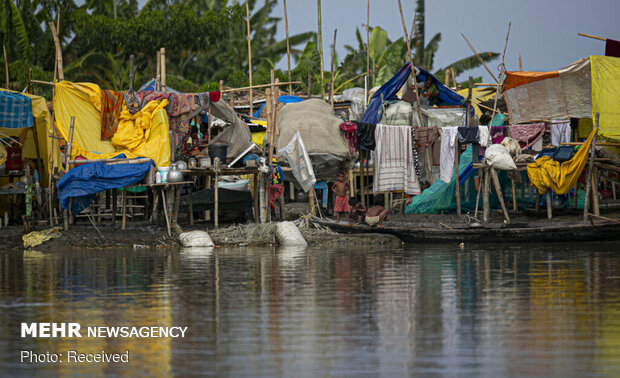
pixel 479 58
pixel 288 50
pixel 247 22
pixel 592 36
pixel 331 71
pixel 320 36
pixel 42 82
pixel 158 75
pixel 61 75
pixel 367 79
pixel 259 86
pixel 162 54
pixel 520 63
pixel 590 170
pixel 6 66
pixel 500 74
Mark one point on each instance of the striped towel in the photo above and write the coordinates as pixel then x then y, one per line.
pixel 15 110
pixel 394 163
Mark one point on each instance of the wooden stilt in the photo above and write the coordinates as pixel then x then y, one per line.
pixel 485 196
pixel 480 181
pixel 549 205
pixel 114 206
pixel 191 208
pixel 247 20
pixel 362 181
pixel 217 193
pixel 320 38
pixel 514 195
pixel 590 169
pixel 288 50
pixel 124 219
pixel 255 198
pixel 331 71
pixel 538 198
pixel 351 183
pixel 165 205
pixel 162 54
pixel 457 186
pixel 67 159
pixel 595 181
pixel 498 189
pixel 311 201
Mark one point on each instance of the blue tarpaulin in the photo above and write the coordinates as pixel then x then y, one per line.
pixel 151 85
pixel 285 99
pixel 84 181
pixel 15 110
pixel 392 86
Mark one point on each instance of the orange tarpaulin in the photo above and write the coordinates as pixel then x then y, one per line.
pixel 517 78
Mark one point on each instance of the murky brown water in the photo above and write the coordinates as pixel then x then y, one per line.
pixel 488 310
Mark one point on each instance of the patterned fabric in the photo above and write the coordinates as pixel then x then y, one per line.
pixel 111 106
pixel 560 132
pixel 181 104
pixel 350 132
pixel 498 133
pixel 427 137
pixel 527 134
pixel 134 101
pixel 414 152
pixel 15 110
pixel 394 164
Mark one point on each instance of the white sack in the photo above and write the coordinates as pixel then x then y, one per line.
pixel 196 239
pixel 497 156
pixel 288 235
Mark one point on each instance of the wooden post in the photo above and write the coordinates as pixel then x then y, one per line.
pixel 367 78
pixel 132 73
pixel 288 50
pixel 311 201
pixel 595 181
pixel 498 189
pixel 351 183
pixel 480 178
pixel 255 195
pixel 158 77
pixel 61 75
pixel 453 77
pixel 247 22
pixel 163 68
pixel 590 169
pixel 331 72
pixel 457 190
pixel 69 144
pixel 114 206
pixel 124 219
pixel 362 181
pixel 549 204
pixel 320 37
pixel 520 63
pixel 538 198
pixel 309 84
pixel 514 195
pixel 6 66
pixel 216 205
pixel 485 196
pixel 191 207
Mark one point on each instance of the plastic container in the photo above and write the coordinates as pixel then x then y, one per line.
pixel 218 150
pixel 163 171
pixel 13 158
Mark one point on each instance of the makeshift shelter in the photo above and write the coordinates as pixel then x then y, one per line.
pixel 320 132
pixel 40 118
pixel 581 90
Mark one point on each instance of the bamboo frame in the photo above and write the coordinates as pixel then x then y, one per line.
pixel 500 73
pixel 331 71
pixel 288 50
pixel 258 86
pixel 320 36
pixel 479 58
pixel 247 21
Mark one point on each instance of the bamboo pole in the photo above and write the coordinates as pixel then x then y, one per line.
pixel 457 190
pixel 480 180
pixel 498 189
pixel 67 159
pixel 590 169
pixel 309 84
pixel 331 71
pixel 6 66
pixel 362 180
pixel 258 86
pixel 367 79
pixel 453 77
pixel 132 73
pixel 158 75
pixel 595 181
pixel 247 22
pixel 288 50
pixel 501 72
pixel 269 152
pixel 56 53
pixel 61 75
pixel 514 195
pixel 163 68
pixel 216 205
pixel 592 36
pixel 320 36
pixel 520 63
pixel 549 205
pixel 479 58
pixel 413 74
pixel 485 196
pixel 42 82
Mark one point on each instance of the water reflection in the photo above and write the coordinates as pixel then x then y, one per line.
pixel 425 309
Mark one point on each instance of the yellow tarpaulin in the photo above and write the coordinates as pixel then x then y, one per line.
pixel 478 95
pixel 43 123
pixel 606 95
pixel 546 173
pixel 144 134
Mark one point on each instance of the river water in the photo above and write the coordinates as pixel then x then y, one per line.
pixel 524 310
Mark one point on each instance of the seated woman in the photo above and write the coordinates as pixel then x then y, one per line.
pixel 429 94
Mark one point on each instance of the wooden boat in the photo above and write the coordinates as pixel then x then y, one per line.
pixel 487 233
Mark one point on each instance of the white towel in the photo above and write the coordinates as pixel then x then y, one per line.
pixel 394 165
pixel 483 136
pixel 446 160
pixel 560 132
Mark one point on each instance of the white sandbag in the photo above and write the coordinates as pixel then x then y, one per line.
pixel 288 235
pixel 512 146
pixel 497 156
pixel 196 239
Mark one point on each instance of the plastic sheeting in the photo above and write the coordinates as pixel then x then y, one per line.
pixel 83 100
pixel 85 180
pixel 567 94
pixel 605 95
pixel 43 123
pixel 546 173
pixel 298 159
pixel 285 99
pixel 392 86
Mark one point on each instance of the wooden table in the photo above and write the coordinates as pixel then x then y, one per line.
pixel 170 204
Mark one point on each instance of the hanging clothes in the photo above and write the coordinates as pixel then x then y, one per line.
pixel 394 164
pixel 468 134
pixel 498 133
pixel 111 107
pixel 414 152
pixel 560 132
pixel 427 137
pixel 446 166
pixel 15 110
pixel 365 136
pixel 528 134
pixel 584 127
pixel 350 133
pixel 546 173
pixel 181 104
pixel 483 136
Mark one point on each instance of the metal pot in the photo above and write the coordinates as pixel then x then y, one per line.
pixel 204 162
pixel 181 165
pixel 175 175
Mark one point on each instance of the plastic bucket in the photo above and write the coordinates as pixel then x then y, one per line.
pixel 163 171
pixel 218 150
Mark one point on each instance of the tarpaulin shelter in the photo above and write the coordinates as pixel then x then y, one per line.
pixel 392 86
pixel 581 90
pixel 39 118
pixel 144 134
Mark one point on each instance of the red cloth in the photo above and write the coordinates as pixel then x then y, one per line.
pixel 612 48
pixel 215 96
pixel 111 106
pixel 350 132
pixel 342 205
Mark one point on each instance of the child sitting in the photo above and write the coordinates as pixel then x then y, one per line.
pixel 357 211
